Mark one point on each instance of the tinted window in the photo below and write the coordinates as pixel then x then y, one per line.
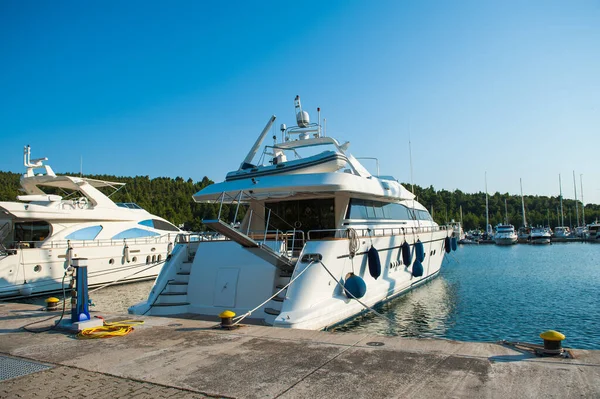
pixel 365 209
pixel 422 215
pixel 162 225
pixel 87 233
pixel 31 231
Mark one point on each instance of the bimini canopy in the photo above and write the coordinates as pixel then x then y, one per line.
pixel 30 184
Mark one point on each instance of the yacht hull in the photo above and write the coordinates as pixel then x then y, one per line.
pixel 505 240
pixel 39 271
pixel 227 276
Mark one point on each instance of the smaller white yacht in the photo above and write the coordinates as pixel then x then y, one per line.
pixel 523 234
pixel 562 232
pixel 41 233
pixel 593 232
pixel 540 235
pixel 505 234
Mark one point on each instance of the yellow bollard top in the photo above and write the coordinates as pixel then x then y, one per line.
pixel 552 335
pixel 227 314
pixel 52 300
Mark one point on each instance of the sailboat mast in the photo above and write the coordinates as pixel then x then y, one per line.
pixel 505 212
pixel 523 203
pixel 562 215
pixel 576 203
pixel 487 214
pixel 582 203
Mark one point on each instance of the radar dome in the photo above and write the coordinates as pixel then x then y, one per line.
pixel 303 119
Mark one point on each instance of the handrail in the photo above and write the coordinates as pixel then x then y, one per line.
pixel 373 232
pixel 267 234
pixel 165 238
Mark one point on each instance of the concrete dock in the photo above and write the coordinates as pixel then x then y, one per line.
pixel 180 358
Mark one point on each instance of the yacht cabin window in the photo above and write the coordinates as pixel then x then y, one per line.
pixel 134 233
pixel 305 215
pixel 158 224
pixel 31 231
pixel 360 209
pixel 87 233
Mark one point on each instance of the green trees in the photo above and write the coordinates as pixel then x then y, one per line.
pixel 172 199
pixel 539 210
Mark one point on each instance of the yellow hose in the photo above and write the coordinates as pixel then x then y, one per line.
pixel 108 330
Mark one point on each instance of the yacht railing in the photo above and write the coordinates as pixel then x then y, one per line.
pixel 166 238
pixel 372 232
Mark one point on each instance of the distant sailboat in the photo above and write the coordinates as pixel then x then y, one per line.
pixel 561 232
pixel 505 233
pixel 488 233
pixel 524 231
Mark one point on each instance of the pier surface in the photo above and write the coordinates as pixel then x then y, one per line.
pixel 180 358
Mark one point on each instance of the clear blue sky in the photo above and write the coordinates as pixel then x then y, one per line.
pixel 183 88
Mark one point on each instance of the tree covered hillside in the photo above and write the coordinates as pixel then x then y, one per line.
pixel 172 199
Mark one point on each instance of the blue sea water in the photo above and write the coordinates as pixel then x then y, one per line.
pixel 491 293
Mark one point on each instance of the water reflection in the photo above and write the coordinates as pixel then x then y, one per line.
pixel 423 312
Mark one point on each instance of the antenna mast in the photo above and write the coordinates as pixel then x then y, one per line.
pixel 412 183
pixel 562 215
pixel 582 203
pixel 576 203
pixel 487 213
pixel 523 203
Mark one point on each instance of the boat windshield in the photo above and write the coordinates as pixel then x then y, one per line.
pixel 128 205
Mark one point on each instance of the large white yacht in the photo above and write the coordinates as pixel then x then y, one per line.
pixel 318 234
pixel 505 234
pixel 41 233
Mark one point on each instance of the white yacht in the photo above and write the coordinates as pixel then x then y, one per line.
pixel 562 232
pixel 540 235
pixel 311 244
pixel 505 234
pixel 593 232
pixel 41 233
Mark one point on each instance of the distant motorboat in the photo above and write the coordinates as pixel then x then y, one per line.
pixel 523 234
pixel 562 232
pixel 593 232
pixel 540 235
pixel 505 234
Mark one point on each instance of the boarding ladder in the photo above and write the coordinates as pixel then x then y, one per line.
pixel 257 248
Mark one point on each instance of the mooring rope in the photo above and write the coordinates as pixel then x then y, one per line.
pixel 357 300
pixel 130 275
pixel 109 330
pixel 238 319
pixel 354 243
